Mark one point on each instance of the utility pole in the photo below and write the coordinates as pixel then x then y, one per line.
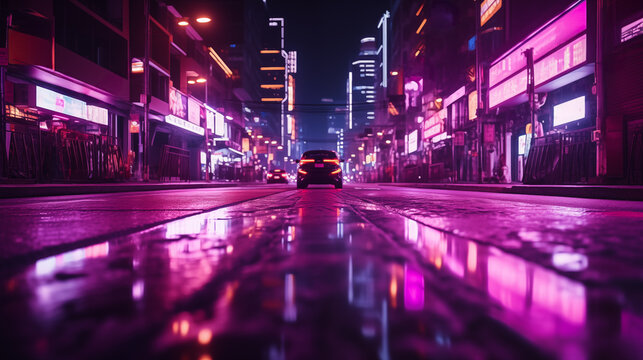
pixel 144 146
pixel 480 106
pixel 3 112
pixel 531 93
pixel 601 166
pixel 207 141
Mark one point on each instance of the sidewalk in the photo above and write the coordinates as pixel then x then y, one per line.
pixel 607 192
pixel 32 190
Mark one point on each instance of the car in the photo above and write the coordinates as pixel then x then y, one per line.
pixel 319 167
pixel 277 176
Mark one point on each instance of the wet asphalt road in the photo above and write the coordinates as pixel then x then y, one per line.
pixel 367 272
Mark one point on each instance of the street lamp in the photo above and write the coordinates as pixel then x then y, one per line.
pixel 200 20
pixel 184 22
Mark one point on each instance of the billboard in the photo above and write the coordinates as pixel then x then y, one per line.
pixel 97 115
pixel 546 39
pixel 178 104
pixel 60 103
pixel 488 9
pixel 569 111
pixel 194 112
pixel 413 141
pixel 219 124
pixel 560 61
pixel 434 125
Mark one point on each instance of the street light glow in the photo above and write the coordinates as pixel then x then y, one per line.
pixel 203 20
pixel 394 73
pixel 201 80
pixel 183 23
pixel 191 82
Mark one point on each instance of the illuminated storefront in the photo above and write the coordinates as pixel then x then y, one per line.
pixel 565 105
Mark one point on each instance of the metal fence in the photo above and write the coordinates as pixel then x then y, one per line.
pixel 174 164
pixel 568 158
pixel 64 155
pixel 634 164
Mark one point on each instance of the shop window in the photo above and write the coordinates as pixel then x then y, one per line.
pixel 83 34
pixel 31 23
pixel 159 84
pixel 110 10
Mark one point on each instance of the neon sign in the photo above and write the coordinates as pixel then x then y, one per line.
pixel 545 39
pixel 219 124
pixel 194 112
pixel 454 97
pixel 488 9
pixel 178 104
pixel 413 141
pixel 569 111
pixel 60 103
pixel 97 115
pixel 632 30
pixel 183 124
pixel 562 60
pixel 434 125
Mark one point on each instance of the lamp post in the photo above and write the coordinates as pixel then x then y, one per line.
pixel 143 144
pixel 204 81
pixel 184 22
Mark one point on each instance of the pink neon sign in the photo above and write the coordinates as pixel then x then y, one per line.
pixel 434 125
pixel 552 35
pixel 570 56
pixel 517 84
pixel 558 62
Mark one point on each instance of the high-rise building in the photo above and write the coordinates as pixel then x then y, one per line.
pixel 361 87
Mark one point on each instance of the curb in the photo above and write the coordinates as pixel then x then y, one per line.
pixel 586 192
pixel 10 192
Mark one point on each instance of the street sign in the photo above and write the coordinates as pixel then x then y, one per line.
pixel 4 57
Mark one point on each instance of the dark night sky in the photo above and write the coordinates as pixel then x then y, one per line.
pixel 326 35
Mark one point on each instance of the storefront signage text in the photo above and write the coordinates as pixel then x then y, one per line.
pixel 546 39
pixel 194 112
pixel 488 9
pixel 570 56
pixel 413 141
pixel 60 103
pixel 183 124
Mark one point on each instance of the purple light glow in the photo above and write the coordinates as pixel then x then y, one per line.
pixel 545 40
pixel 413 289
pixel 571 56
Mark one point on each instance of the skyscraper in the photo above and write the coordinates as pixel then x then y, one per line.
pixel 361 87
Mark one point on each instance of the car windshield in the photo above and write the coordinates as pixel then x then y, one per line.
pixel 319 155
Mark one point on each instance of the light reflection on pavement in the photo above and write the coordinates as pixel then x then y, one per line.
pixel 315 273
